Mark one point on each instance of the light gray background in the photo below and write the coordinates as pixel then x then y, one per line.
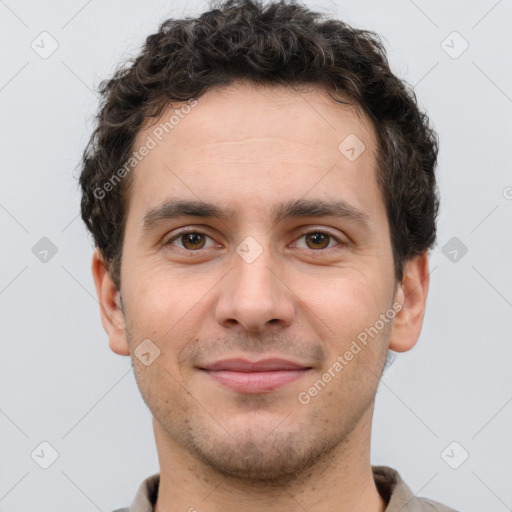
pixel 59 381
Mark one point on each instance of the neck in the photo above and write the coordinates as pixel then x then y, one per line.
pixel 342 480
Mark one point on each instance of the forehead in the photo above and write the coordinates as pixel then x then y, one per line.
pixel 244 143
pixel 243 110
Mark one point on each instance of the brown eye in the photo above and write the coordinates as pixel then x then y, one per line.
pixel 318 240
pixel 189 240
pixel 193 240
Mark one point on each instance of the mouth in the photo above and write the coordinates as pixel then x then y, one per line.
pixel 262 376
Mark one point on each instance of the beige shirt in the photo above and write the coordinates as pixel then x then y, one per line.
pixel 391 487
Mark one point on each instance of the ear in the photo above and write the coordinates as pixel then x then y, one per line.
pixel 412 295
pixel 112 316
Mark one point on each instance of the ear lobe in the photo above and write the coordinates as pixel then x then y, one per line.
pixel 112 316
pixel 412 294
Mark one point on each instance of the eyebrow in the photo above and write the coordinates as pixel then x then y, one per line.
pixel 299 208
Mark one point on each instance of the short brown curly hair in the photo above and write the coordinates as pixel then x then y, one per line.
pixel 280 43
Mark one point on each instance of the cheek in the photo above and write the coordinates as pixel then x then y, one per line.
pixel 165 310
pixel 345 305
pixel 161 387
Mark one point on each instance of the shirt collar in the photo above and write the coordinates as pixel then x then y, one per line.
pixel 390 485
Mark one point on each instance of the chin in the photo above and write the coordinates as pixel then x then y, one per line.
pixel 274 458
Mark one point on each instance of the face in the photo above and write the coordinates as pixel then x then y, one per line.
pixel 257 305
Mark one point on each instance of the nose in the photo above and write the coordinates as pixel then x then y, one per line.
pixel 255 297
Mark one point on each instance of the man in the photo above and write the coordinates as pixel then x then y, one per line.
pixel 261 192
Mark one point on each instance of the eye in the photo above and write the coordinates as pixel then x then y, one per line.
pixel 318 240
pixel 193 240
pixel 190 240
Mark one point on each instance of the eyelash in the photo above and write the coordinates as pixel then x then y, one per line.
pixel 198 232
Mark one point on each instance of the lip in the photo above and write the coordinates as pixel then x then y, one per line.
pixel 261 376
pixel 244 365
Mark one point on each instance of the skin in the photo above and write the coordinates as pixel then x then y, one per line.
pixel 251 147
